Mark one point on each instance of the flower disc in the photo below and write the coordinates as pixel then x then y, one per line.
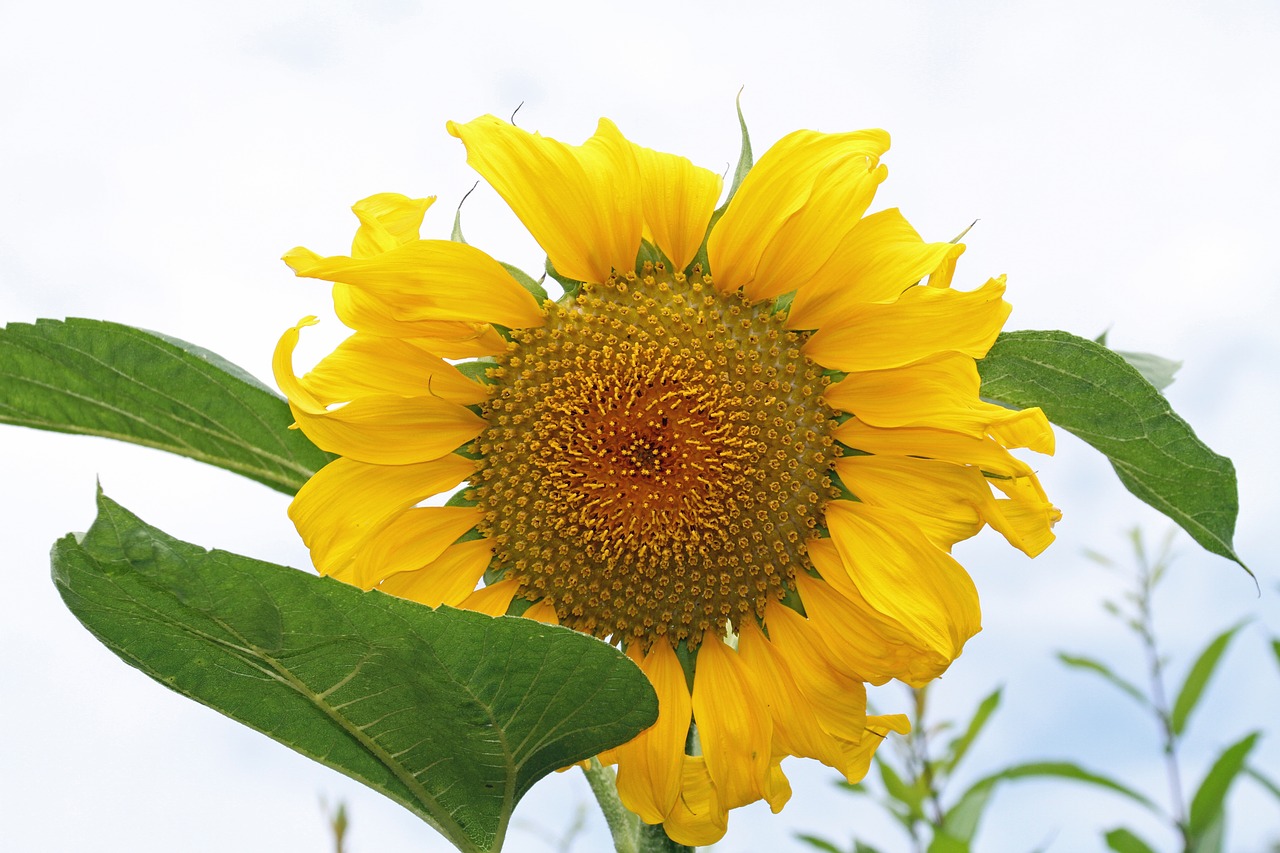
pixel 656 459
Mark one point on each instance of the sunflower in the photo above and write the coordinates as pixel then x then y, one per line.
pixel 740 445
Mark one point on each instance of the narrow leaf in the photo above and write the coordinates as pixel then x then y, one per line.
pixel 959 747
pixel 1096 666
pixel 1090 391
pixel 1123 841
pixel 1198 678
pixel 96 378
pixel 452 714
pixel 1212 793
pixel 819 843
pixel 1064 770
pixel 1263 780
pixel 944 842
pixel 745 161
pixel 960 823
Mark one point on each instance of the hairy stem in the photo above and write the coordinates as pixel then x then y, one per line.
pixel 624 826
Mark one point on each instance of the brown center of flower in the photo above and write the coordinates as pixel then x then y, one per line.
pixel 656 458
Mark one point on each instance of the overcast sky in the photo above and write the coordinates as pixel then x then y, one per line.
pixel 157 159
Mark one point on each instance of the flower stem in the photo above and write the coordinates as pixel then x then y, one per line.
pixel 653 839
pixel 624 826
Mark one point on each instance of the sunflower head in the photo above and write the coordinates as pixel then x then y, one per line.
pixel 740 445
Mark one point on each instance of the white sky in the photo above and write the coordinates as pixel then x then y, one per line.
pixel 157 158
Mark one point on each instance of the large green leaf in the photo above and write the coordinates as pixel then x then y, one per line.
pixel 452 714
pixel 1207 804
pixel 105 379
pixel 1198 678
pixel 1092 392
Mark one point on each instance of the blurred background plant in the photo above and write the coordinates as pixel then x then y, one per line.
pixel 916 782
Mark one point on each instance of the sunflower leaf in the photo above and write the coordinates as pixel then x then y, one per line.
pixel 452 714
pixel 1156 369
pixel 97 378
pixel 1092 392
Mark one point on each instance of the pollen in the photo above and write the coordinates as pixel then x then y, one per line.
pixel 645 468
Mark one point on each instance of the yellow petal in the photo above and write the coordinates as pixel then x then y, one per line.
pixel 733 726
pixel 923 322
pixel 1026 428
pixel 830 686
pixel 543 612
pixel 777 187
pixel 363 312
pixel 649 765
pixel 947 502
pixel 582 203
pixel 414 539
pixel 906 579
pixel 372 364
pixel 940 392
pixel 379 428
pixel 842 192
pixel 678 199
pixel 928 443
pixel 879 259
pixel 698 817
pixel 796 729
pixel 430 280
pixel 857 757
pixel 346 503
pixel 492 600
pixel 387 220
pixel 449 579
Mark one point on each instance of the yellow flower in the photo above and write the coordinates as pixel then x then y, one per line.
pixel 741 447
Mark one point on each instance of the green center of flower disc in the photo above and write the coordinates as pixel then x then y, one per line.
pixel 657 457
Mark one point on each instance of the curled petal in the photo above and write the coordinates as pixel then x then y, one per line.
pixel 923 322
pixel 697 817
pixel 678 199
pixel 829 685
pixel 732 726
pixel 430 280
pixel 582 203
pixel 364 312
pixel 416 538
pixel 650 764
pixel 778 186
pixel 448 579
pixel 875 262
pixel 387 220
pixel 380 428
pixel 493 599
pixel 915 597
pixel 347 503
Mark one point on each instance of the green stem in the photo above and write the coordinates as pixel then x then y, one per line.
pixel 653 839
pixel 624 826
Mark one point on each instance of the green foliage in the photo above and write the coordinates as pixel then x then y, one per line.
pixel 452 714
pixel 1096 666
pixel 1124 841
pixel 1208 803
pixel 1092 392
pixel 1198 678
pixel 914 785
pixel 109 380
